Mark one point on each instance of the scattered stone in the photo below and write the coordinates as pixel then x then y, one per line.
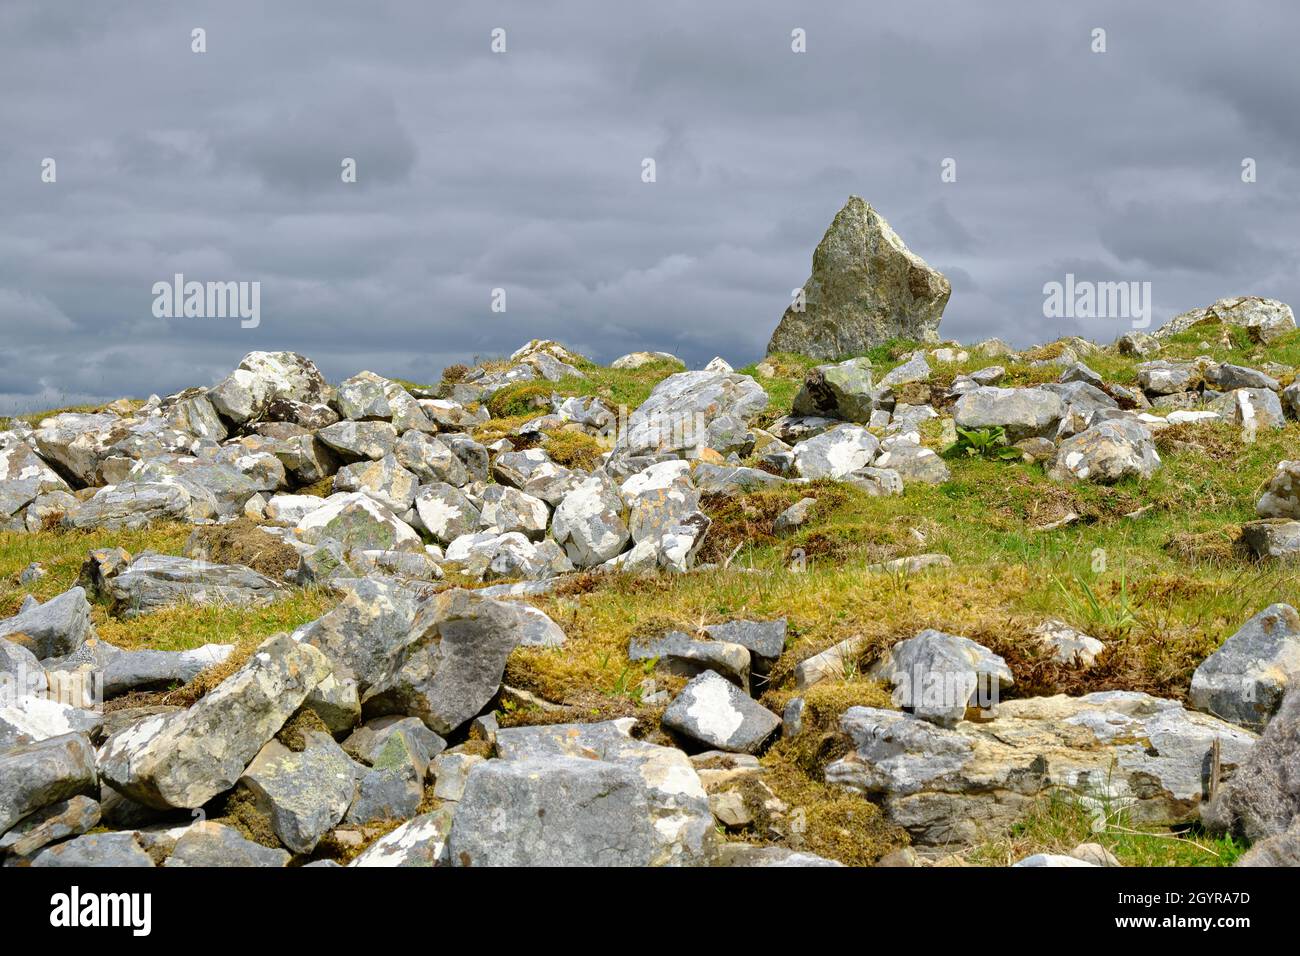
pixel 678 653
pixel 1124 750
pixel 940 677
pixel 713 711
pixel 155 581
pixel 793 517
pixel 208 843
pixel 1067 645
pixel 1022 412
pixel 418 842
pixel 186 758
pixel 451 665
pixel 53 629
pixel 1272 538
pixel 1107 452
pixel 1281 498
pixel 116 850
pixel 1245 679
pixel 835 453
pixel 58 821
pixel 842 391
pixel 40 774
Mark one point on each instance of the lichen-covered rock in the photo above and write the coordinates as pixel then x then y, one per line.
pixel 186 758
pixel 134 504
pixel 58 821
pixel 416 843
pixel 101 850
pixel 1281 499
pixel 714 711
pixel 940 677
pixel 263 377
pixel 364 634
pixel 384 480
pixel 208 843
pixel 679 415
pixel 507 509
pixel 452 664
pixel 40 774
pixel 843 391
pixel 588 523
pixel 1272 538
pixel 356 520
pixel 1261 798
pixel 835 453
pixel 304 793
pixel 1106 452
pixel 866 288
pixel 1123 750
pixel 1264 319
pixel 53 629
pixel 154 581
pixel 1251 408
pixel 605 799
pixel 912 462
pixel 1022 412
pixel 1245 679
pixel 356 440
pixel 659 498
pixel 430 459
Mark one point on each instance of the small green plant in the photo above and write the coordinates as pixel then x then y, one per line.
pixel 988 442
pixel 1110 615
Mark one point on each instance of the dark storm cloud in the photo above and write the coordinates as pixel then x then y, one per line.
pixel 522 171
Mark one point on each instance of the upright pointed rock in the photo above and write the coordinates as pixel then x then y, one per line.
pixel 866 288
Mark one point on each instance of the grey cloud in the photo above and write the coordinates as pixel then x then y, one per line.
pixel 522 171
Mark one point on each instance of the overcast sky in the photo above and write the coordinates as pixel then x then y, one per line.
pixel 523 171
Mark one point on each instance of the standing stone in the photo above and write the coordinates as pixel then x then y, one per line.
pixel 866 288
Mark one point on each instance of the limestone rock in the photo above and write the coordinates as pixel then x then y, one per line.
pixel 186 758
pixel 866 288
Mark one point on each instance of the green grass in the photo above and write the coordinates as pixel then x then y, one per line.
pixel 1059 823
pixel 1161 589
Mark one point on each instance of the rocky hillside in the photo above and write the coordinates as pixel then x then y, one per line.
pixel 937 604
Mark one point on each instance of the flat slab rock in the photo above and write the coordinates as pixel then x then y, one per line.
pixel 155 581
pixel 1136 752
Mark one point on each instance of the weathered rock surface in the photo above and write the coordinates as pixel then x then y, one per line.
pixel 582 794
pixel 1126 750
pixel 1245 679
pixel 186 758
pixel 451 665
pixel 866 288
pixel 154 581
pixel 38 775
pixel 715 712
